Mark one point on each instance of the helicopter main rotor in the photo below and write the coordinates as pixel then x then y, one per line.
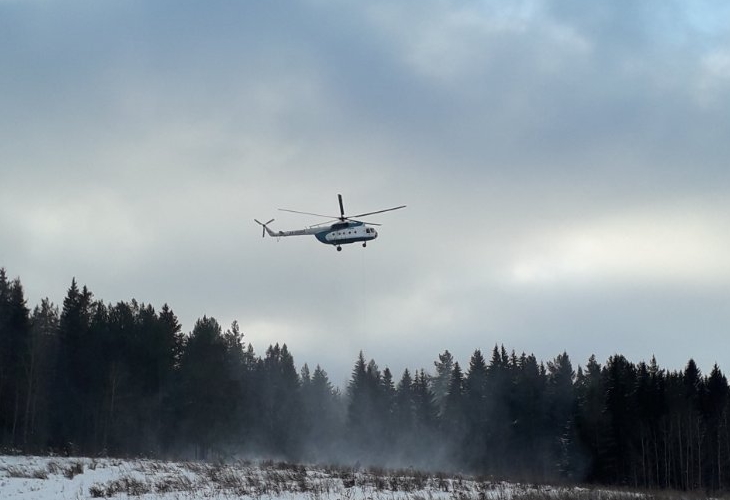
pixel 342 217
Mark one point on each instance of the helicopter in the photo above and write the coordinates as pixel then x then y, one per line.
pixel 340 231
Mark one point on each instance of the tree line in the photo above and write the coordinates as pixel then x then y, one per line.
pixel 123 379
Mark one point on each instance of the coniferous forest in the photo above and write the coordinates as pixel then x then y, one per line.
pixel 122 379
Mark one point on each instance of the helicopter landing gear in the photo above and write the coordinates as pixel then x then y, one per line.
pixel 364 244
pixel 339 248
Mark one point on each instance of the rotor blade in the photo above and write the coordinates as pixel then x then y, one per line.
pixel 263 227
pixel 325 223
pixel 380 211
pixel 308 213
pixel 342 209
pixel 363 222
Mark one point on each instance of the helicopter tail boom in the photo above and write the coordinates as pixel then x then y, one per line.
pixel 278 234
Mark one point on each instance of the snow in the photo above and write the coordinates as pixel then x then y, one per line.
pixel 41 478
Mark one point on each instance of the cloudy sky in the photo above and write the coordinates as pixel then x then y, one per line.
pixel 564 163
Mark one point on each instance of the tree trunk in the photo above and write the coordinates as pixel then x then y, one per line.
pixel 108 423
pixel 16 410
pixel 688 466
pixel 680 447
pixel 29 395
pixel 643 458
pixel 719 467
pixel 700 436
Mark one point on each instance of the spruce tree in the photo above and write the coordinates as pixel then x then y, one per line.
pixel 454 420
pixel 209 389
pixel 440 382
pixel 404 405
pixel 72 411
pixel 715 412
pixel 39 365
pixel 326 418
pixel 14 349
pixel 477 412
pixel 560 408
pixel 528 410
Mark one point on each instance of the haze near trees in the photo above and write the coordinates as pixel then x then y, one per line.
pixel 123 379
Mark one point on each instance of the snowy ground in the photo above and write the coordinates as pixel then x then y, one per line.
pixel 28 477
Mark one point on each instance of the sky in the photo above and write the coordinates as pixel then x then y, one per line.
pixel 564 166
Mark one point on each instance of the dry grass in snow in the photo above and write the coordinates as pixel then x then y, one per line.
pixel 26 477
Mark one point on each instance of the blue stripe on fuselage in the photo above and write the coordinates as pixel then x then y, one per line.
pixel 340 226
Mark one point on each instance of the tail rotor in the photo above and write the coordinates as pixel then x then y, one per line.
pixel 263 226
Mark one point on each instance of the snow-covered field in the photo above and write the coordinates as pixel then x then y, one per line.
pixel 30 477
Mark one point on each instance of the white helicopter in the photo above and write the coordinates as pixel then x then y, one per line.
pixel 340 231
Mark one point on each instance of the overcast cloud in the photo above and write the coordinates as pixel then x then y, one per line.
pixel 564 166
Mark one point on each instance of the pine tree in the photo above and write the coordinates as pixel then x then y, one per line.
pixel 560 405
pixel 39 364
pixel 72 414
pixel 426 418
pixel 591 418
pixel 715 410
pixel 7 381
pixel 209 389
pixel 326 419
pixel 498 431
pixel 404 404
pixel 454 422
pixel 620 410
pixel 281 402
pixel 365 410
pixel 528 410
pixel 476 406
pixel 693 395
pixel 359 404
pixel 426 410
pixel 388 411
pixel 440 382
pixel 14 349
pixel 169 346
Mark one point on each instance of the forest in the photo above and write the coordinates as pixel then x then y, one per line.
pixel 100 379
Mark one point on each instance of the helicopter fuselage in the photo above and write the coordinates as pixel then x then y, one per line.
pixel 339 233
pixel 343 233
